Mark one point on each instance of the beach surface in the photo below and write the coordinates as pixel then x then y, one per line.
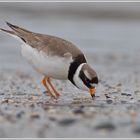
pixel 111 45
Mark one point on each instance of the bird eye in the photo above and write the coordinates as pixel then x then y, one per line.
pixel 85 80
pixel 88 83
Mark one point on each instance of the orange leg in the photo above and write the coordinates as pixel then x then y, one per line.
pixel 46 86
pixel 49 82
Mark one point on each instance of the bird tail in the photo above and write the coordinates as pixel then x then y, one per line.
pixel 17 32
pixel 7 31
pixel 17 29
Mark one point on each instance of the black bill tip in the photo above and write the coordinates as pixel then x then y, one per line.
pixel 93 96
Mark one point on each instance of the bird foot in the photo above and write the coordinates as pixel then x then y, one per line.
pixel 53 96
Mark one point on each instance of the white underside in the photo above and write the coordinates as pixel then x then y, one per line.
pixel 52 66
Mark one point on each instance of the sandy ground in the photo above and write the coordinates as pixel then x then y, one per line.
pixel 25 111
pixel 111 47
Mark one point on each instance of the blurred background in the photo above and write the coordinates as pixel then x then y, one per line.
pixel 109 35
pixel 97 28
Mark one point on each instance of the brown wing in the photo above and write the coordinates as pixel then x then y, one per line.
pixel 57 46
pixel 49 44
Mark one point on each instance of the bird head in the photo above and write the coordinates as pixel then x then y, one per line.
pixel 85 78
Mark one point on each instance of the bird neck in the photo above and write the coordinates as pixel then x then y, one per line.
pixel 80 59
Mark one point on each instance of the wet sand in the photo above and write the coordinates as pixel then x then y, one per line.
pixel 26 112
pixel 111 47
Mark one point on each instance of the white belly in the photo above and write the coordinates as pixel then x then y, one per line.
pixel 51 66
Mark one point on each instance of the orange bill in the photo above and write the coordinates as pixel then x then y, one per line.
pixel 92 92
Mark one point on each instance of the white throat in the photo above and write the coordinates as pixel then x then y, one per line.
pixel 78 82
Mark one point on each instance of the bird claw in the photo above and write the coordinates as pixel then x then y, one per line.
pixel 55 97
pixel 52 96
pixel 45 92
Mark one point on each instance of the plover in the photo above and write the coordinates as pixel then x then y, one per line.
pixel 55 58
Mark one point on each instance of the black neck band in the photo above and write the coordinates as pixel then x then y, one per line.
pixel 74 65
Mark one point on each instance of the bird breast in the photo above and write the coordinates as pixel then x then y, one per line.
pixel 56 67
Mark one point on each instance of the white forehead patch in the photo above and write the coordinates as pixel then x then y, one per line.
pixel 87 74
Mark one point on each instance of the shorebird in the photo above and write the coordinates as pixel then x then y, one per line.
pixel 55 58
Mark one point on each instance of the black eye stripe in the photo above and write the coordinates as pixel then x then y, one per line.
pixel 94 80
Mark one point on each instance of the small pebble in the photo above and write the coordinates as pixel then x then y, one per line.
pixel 2 93
pixel 78 111
pixel 67 122
pixel 45 107
pixel 106 95
pixel 4 101
pixel 81 106
pixel 137 130
pixel 34 97
pixel 32 105
pixel 137 91
pixel 52 119
pixel 114 93
pixel 109 101
pixel 123 102
pixel 119 84
pixel 106 85
pixel 76 102
pixel 21 93
pixel 45 92
pixel 11 101
pixel 17 87
pixel 19 114
pixel 35 115
pixel 97 96
pixel 126 94
pixel 138 100
pixel 106 126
